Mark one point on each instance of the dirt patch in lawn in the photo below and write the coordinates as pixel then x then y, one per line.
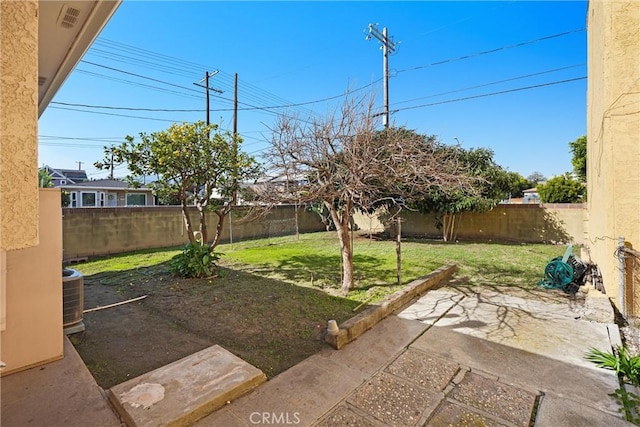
pixel 271 324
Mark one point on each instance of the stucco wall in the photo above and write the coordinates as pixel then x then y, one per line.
pixel 102 231
pixel 33 333
pixel 613 133
pixel 563 223
pixel 18 124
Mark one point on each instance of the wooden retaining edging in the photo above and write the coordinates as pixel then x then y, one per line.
pixel 359 324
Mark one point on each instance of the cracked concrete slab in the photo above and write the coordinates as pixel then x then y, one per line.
pixel 184 391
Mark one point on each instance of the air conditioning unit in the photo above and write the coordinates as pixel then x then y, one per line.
pixel 72 301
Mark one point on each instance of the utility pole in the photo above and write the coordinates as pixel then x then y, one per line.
pixel 111 167
pixel 79 165
pixel 235 140
pixel 388 46
pixel 235 104
pixel 206 87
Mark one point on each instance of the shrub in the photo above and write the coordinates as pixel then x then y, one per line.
pixel 562 189
pixel 194 261
pixel 626 366
pixel 628 369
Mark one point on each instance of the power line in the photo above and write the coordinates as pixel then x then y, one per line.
pixel 393 111
pixel 322 99
pixel 118 115
pixel 136 61
pixel 140 76
pixel 490 94
pixel 491 83
pixel 86 138
pixel 70 145
pixel 251 91
pixel 250 108
pixel 486 52
pixel 107 107
pixel 156 88
pixel 290 105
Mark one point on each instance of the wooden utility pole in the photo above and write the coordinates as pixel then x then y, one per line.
pixel 235 139
pixel 235 105
pixel 206 87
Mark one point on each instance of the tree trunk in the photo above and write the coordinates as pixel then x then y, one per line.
pixel 222 214
pixel 297 225
pixel 450 226
pixel 347 260
pixel 204 232
pixel 455 228
pixel 445 227
pixel 342 228
pixel 187 220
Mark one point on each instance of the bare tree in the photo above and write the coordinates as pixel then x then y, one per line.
pixel 344 162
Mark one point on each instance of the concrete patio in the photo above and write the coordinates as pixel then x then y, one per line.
pixel 480 358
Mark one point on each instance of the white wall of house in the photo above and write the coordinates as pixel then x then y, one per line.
pixel 91 198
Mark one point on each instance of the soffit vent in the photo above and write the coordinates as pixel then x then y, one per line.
pixel 68 16
pixel 41 80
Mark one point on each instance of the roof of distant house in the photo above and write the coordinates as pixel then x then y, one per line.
pixel 73 175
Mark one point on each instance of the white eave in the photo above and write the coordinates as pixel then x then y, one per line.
pixel 66 30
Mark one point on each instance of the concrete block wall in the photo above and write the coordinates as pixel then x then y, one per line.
pixel 103 231
pixel 559 223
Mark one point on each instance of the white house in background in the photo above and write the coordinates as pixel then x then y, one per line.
pixel 104 193
pixel 531 196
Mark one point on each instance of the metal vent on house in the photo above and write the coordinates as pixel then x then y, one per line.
pixel 41 80
pixel 68 16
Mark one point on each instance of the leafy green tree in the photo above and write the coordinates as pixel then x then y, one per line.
pixel 492 184
pixel 168 197
pixel 517 184
pixel 192 161
pixel 562 189
pixel 45 180
pixel 579 157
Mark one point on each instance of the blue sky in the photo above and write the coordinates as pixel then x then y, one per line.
pixel 507 75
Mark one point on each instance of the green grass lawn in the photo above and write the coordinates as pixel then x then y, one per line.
pixel 313 260
pixel 270 299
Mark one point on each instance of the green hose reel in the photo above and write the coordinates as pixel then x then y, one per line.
pixel 564 272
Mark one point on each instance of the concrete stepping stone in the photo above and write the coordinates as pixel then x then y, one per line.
pixel 186 390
